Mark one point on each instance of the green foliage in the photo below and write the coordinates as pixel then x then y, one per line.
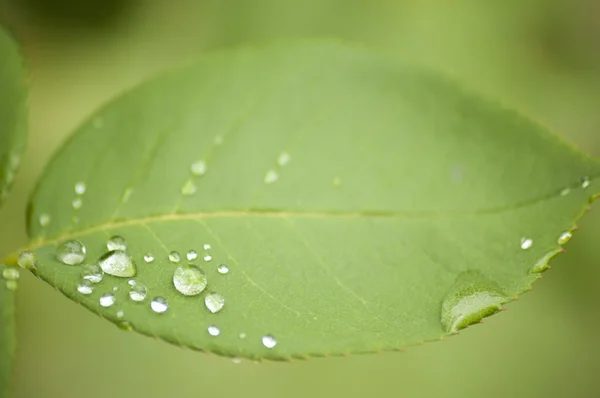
pixel 358 204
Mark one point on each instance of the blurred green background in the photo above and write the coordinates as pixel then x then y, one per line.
pixel 541 56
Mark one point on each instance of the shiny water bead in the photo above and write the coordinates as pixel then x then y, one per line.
pixel 27 259
pixel 85 287
pixel 585 182
pixel 148 257
pixel 271 177
pixel 223 269
pixel 242 336
pixel 214 302
pixel 92 273
pixel 71 252
pixel 198 168
pixel 207 257
pixel 159 305
pixel 45 220
pixel 564 238
pixel 116 243
pixel 189 280
pixel 107 300
pixel 138 292
pixel 213 330
pixel 80 188
pixel 77 203
pixel 192 255
pixel 117 263
pixel 189 188
pixel 283 159
pixel 269 341
pixel 207 246
pixel 120 314
pixel 10 273
pixel 526 243
pixel 174 257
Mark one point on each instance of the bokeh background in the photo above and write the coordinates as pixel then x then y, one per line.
pixel 541 56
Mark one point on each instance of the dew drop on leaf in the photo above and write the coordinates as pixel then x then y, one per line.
pixel 120 314
pixel 27 259
pixel 207 257
pixel 92 273
pixel 117 263
pixel 269 341
pixel 45 220
pixel 223 269
pixel 148 257
pixel 80 188
pixel 198 168
pixel 271 177
pixel 85 287
pixel 214 302
pixel 213 330
pixel 188 188
pixel 207 246
pixel 174 257
pixel 192 255
pixel 526 243
pixel 585 182
pixel 107 300
pixel 283 159
pixel 565 192
pixel 71 252
pixel 138 291
pixel 242 336
pixel 236 360
pixel 116 243
pixel 189 280
pixel 10 273
pixel 159 305
pixel 564 238
pixel 77 203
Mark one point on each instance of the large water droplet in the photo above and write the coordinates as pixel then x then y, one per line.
pixel 198 168
pixel 85 287
pixel 526 243
pixel 80 188
pixel 471 298
pixel 214 302
pixel 92 273
pixel 10 273
pixel 27 259
pixel 159 305
pixel 271 176
pixel 269 341
pixel 107 300
pixel 116 243
pixel 585 182
pixel 283 159
pixel 223 269
pixel 77 203
pixel 117 263
pixel 189 280
pixel 213 330
pixel 174 257
pixel 564 238
pixel 148 257
pixel 138 291
pixel 192 255
pixel 45 220
pixel 189 188
pixel 71 252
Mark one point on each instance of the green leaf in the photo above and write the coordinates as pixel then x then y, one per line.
pixel 359 205
pixel 13 117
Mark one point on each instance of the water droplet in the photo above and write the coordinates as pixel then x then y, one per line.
pixel 131 282
pixel 236 360
pixel 115 288
pixel 85 287
pixel 242 335
pixel 192 255
pixel 71 252
pixel 116 243
pixel 138 292
pixel 148 257
pixel 471 298
pixel 12 285
pixel 283 159
pixel 207 246
pixel 107 300
pixel 564 238
pixel 526 243
pixel 188 188
pixel 174 257
pixel 585 182
pixel 207 257
pixel 269 341
pixel 223 269
pixel 45 220
pixel 213 330
pixel 27 259
pixel 80 188
pixel 120 314
pixel 271 176
pixel 117 263
pixel 92 273
pixel 214 302
pixel 565 192
pixel 159 305
pixel 77 203
pixel 10 273
pixel 198 168
pixel 337 181
pixel 189 280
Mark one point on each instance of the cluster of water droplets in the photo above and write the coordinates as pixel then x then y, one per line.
pixel 197 170
pixel 10 275
pixel 272 175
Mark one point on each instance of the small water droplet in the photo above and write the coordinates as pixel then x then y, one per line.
pixel 242 335
pixel 120 314
pixel 236 360
pixel 115 288
pixel 214 302
pixel 131 282
pixel 213 330
pixel 12 285
pixel 565 237
pixel 269 341
pixel 207 246
pixel 85 287
pixel 117 263
pixel 207 257
pixel 27 259
pixel 585 182
pixel 159 305
pixel 198 168
pixel 45 220
pixel 10 273
pixel 116 243
pixel 92 273
pixel 148 257
pixel 188 188
pixel 80 188
pixel 526 243
pixel 565 192
pixel 223 269
pixel 138 292
pixel 192 255
pixel 271 176
pixel 174 257
pixel 71 252
pixel 337 181
pixel 77 203
pixel 283 159
pixel 107 300
pixel 189 280
pixel 471 298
